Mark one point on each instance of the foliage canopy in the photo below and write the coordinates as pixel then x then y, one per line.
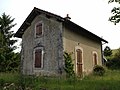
pixel 69 66
pixel 115 18
pixel 8 59
pixel 107 51
pixel 114 62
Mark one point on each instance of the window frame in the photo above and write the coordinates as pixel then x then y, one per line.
pixel 39 22
pixel 94 52
pixel 37 48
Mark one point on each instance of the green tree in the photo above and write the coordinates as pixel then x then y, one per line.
pixel 117 54
pixel 115 18
pixel 69 66
pixel 114 63
pixel 107 51
pixel 7 56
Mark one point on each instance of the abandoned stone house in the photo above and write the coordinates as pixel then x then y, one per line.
pixel 45 37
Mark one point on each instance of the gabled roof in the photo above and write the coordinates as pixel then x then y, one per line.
pixel 69 24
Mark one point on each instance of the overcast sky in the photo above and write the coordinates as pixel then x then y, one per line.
pixel 90 14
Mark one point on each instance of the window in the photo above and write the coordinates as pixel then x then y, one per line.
pixel 79 64
pixel 38 29
pixel 38 58
pixel 95 58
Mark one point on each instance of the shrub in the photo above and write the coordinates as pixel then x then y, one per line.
pixel 69 66
pixel 2 82
pixel 113 64
pixel 99 70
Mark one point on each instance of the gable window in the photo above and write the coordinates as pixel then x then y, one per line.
pixel 38 29
pixel 95 58
pixel 38 58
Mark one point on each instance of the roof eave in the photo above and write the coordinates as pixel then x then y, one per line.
pixel 82 30
pixel 31 17
pixel 69 23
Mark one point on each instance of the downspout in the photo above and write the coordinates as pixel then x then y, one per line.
pixel 102 53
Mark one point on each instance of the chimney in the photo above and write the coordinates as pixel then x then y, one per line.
pixel 67 17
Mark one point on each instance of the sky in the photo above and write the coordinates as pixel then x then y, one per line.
pixel 92 15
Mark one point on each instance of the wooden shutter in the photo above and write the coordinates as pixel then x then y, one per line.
pixel 79 56
pixel 39 29
pixel 79 62
pixel 95 58
pixel 38 58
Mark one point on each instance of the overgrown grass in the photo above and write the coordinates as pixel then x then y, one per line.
pixel 9 77
pixel 110 81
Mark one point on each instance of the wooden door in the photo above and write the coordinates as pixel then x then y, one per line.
pixel 79 62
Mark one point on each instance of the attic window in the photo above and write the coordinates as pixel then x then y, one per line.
pixel 38 29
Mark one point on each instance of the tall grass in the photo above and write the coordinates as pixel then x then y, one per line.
pixel 9 77
pixel 110 81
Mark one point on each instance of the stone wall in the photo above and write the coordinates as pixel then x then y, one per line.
pixel 52 44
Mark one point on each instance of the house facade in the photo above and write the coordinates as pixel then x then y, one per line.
pixel 45 37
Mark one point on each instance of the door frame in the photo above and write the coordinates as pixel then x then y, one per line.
pixel 78 47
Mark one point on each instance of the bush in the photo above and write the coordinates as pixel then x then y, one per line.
pixel 69 66
pixel 2 82
pixel 99 70
pixel 113 64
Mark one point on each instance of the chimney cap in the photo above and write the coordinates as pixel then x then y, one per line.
pixel 67 17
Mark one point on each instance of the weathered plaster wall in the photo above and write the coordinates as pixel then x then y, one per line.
pixel 72 40
pixel 52 44
pixel 55 40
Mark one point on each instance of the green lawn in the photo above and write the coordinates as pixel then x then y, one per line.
pixel 110 81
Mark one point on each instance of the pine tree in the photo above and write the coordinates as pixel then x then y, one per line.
pixel 6 42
